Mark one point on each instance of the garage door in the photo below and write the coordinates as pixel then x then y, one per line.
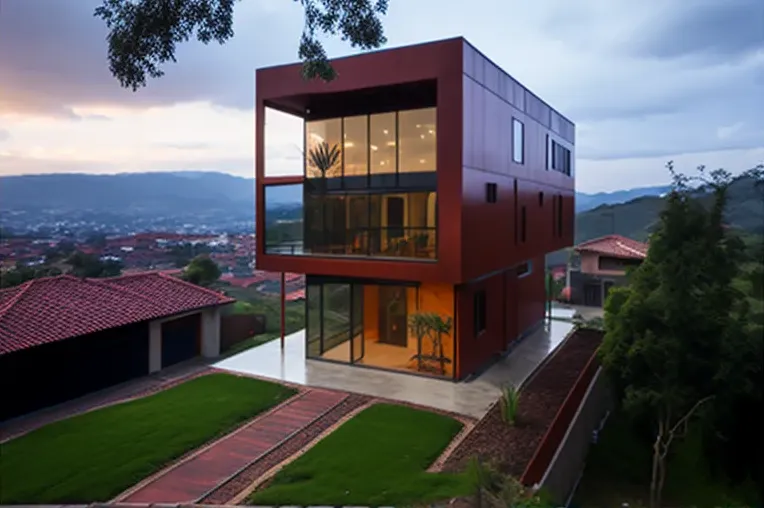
pixel 180 340
pixel 52 373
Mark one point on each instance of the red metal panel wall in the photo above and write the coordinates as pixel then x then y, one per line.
pixel 475 352
pixel 531 295
pixel 491 100
pixel 440 61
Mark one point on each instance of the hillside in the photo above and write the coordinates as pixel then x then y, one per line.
pixel 634 219
pixel 135 193
pixel 586 201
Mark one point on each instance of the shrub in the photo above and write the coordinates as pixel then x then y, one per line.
pixel 510 398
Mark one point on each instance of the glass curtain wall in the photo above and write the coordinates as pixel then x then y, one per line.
pixel 371 151
pixel 386 326
pixel 399 225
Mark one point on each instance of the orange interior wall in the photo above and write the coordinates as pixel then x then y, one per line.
pixel 371 312
pixel 439 298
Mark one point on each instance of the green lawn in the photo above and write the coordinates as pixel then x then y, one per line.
pixel 95 456
pixel 377 458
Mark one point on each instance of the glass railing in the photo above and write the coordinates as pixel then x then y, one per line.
pixel 382 242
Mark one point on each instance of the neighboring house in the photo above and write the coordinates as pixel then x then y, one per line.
pixel 602 264
pixel 452 183
pixel 63 337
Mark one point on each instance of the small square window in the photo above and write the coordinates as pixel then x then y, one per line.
pixel 479 313
pixel 523 269
pixel 491 192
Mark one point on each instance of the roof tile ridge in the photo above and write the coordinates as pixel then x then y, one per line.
pixel 21 290
pixel 192 285
pixel 630 249
pixel 595 240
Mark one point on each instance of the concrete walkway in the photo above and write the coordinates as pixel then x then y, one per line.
pixel 194 477
pixel 472 398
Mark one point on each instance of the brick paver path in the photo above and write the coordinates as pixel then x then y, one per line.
pixel 195 477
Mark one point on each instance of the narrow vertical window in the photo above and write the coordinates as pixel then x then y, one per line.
pixel 522 225
pixel 518 141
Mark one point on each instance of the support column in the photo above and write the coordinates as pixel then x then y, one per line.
pixel 211 332
pixel 283 309
pixel 155 346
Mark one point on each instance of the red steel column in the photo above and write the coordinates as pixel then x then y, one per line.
pixel 283 309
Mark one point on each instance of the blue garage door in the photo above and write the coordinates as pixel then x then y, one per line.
pixel 180 340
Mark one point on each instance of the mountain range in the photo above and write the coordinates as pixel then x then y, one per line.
pixel 166 193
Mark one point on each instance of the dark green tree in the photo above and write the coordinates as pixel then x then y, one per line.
pixel 87 265
pixel 202 271
pixel 668 333
pixel 143 34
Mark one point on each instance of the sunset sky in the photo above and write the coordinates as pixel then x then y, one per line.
pixel 644 82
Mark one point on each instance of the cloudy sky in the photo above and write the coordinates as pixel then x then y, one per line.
pixel 644 82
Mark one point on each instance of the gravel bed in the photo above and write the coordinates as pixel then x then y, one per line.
pixel 510 448
pixel 227 491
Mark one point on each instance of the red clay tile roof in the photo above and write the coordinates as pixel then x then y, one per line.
pixel 57 308
pixel 615 245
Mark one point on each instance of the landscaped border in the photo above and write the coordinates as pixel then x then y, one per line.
pixel 547 448
pixel 542 394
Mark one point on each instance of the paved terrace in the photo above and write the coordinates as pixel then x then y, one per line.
pixel 470 398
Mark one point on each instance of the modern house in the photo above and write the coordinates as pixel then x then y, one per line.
pixel 602 263
pixel 433 184
pixel 63 337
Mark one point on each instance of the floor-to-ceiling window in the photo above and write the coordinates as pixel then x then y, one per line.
pixel 384 325
pixel 379 224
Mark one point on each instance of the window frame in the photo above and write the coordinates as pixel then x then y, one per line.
pixel 524 269
pixel 515 123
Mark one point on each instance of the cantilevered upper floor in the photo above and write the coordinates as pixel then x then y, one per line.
pixel 425 163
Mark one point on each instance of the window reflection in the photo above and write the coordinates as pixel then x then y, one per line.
pixel 382 143
pixel 416 140
pixel 318 133
pixel 356 145
pixel 384 225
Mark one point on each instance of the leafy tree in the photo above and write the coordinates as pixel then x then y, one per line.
pixel 87 265
pixel 667 333
pixel 143 34
pixel 202 271
pixel 22 273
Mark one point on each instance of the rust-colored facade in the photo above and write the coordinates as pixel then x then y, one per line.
pixel 495 195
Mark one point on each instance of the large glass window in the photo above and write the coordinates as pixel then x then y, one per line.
pixel 356 145
pixel 382 143
pixel 380 224
pixel 284 212
pixel 417 145
pixel 322 137
pixel 387 326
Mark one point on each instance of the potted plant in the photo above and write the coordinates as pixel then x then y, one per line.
pixel 434 326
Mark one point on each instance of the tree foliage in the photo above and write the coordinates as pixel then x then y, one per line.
pixel 202 271
pixel 143 34
pixel 671 335
pixel 90 266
